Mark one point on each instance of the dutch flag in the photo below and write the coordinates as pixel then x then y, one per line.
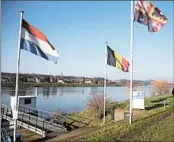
pixel 36 42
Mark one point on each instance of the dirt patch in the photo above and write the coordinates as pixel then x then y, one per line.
pixel 29 136
pixel 71 135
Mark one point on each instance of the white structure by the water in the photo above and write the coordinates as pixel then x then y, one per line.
pixel 60 81
pixel 88 81
pixel 27 101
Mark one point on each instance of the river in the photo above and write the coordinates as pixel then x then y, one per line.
pixel 67 99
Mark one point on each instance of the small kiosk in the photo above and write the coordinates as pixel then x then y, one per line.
pixel 26 102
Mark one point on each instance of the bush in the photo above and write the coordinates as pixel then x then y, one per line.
pixel 76 110
pixel 95 105
pixel 161 87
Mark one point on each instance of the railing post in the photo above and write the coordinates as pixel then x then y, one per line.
pixel 6 111
pixel 164 102
pixel 3 110
pixel 36 122
pixel 29 118
pixel 11 111
pixel 43 126
pixel 23 114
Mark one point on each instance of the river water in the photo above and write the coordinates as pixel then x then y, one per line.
pixel 67 99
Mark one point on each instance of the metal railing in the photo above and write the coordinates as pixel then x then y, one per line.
pixel 6 110
pixel 45 115
pixel 37 118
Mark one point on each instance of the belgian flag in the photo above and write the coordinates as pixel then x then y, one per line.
pixel 114 59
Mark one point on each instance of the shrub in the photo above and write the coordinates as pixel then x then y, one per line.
pixel 161 87
pixel 95 105
pixel 76 110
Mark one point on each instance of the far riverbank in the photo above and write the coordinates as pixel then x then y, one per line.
pixel 24 84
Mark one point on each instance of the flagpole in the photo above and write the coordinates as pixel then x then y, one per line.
pixel 104 109
pixel 131 58
pixel 17 78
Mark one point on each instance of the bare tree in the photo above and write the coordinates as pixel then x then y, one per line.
pixel 161 87
pixel 134 86
pixel 76 110
pixel 95 105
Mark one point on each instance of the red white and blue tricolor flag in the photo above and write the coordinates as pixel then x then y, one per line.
pixel 36 42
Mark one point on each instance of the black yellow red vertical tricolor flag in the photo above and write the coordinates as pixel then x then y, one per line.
pixel 116 60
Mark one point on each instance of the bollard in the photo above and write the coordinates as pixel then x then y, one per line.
pixel 112 113
pixel 164 104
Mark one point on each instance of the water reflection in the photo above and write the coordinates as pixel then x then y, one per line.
pixel 68 98
pixel 46 92
pixel 53 91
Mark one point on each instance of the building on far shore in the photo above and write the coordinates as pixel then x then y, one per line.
pixel 51 79
pixel 5 79
pixel 60 81
pixel 33 79
pixel 88 81
pixel 37 80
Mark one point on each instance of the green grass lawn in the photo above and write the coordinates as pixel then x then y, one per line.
pixel 153 105
pixel 155 124
pixel 155 128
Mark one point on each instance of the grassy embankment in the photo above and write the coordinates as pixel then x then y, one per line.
pixel 152 105
pixel 152 124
